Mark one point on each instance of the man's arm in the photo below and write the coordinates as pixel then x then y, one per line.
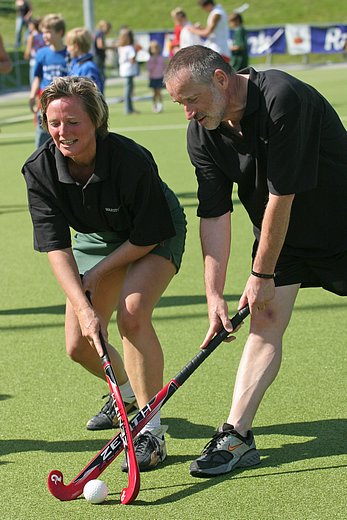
pixel 215 235
pixel 259 291
pixel 205 32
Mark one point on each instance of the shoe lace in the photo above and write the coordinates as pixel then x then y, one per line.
pixel 216 441
pixel 145 441
pixel 108 408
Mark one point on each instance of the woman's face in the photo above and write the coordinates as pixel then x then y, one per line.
pixel 71 128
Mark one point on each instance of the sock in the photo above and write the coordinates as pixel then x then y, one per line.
pixel 153 424
pixel 127 392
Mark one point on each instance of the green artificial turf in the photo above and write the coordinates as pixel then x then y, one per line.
pixel 46 400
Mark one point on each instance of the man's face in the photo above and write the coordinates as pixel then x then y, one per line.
pixel 206 103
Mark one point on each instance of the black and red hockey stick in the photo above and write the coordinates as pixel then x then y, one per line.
pixel 129 493
pixel 115 446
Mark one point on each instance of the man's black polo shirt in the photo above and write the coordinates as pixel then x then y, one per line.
pixel 293 142
pixel 125 194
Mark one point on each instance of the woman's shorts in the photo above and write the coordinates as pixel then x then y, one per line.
pixel 90 248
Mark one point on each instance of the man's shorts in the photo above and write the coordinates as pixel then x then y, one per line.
pixel 90 248
pixel 330 272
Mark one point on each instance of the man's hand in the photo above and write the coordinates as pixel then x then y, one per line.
pixel 219 318
pixel 258 293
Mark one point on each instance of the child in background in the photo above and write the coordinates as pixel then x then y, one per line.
pixel 50 62
pixel 156 69
pixel 78 43
pixel 128 66
pixel 100 45
pixel 34 42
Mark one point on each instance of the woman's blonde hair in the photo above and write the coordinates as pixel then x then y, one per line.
pixel 86 90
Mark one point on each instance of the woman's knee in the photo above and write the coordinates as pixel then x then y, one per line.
pixel 76 349
pixel 131 320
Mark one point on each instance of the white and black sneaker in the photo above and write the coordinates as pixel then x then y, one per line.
pixel 150 449
pixel 227 450
pixel 107 417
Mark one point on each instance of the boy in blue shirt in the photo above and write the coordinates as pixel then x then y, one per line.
pixel 50 62
pixel 78 42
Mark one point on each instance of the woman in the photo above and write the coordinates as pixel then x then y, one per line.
pixel 128 246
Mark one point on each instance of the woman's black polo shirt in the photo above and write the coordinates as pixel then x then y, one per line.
pixel 125 194
pixel 293 142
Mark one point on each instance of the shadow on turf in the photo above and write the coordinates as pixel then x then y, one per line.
pixel 328 438
pixel 12 208
pixel 4 397
pixel 165 301
pixel 15 141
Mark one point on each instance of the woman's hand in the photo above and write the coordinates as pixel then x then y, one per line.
pixel 91 326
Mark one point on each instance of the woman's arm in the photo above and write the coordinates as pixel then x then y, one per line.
pixel 65 270
pixel 124 255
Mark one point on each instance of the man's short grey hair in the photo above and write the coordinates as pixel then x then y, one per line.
pixel 200 61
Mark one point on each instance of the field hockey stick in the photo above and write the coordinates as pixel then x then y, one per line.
pixel 115 446
pixel 129 493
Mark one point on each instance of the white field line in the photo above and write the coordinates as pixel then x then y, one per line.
pixel 18 119
pixel 24 135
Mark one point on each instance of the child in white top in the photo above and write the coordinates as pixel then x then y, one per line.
pixel 128 66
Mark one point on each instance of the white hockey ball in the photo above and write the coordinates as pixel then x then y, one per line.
pixel 95 491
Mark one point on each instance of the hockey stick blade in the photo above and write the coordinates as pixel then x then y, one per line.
pixel 115 446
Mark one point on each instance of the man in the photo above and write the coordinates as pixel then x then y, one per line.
pixel 186 37
pixel 285 147
pixel 216 31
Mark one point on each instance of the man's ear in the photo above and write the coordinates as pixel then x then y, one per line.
pixel 220 78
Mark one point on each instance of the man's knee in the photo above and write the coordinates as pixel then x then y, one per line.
pixel 270 319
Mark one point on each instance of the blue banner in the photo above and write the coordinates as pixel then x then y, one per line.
pixel 328 39
pixel 289 38
pixel 266 41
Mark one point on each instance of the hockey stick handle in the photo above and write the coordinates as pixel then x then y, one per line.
pixel 187 371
